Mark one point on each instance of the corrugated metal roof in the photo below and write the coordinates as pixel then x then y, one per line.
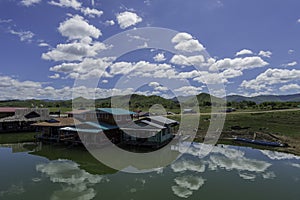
pixel 162 120
pixel 153 124
pixel 116 111
pixel 102 126
pixel 10 109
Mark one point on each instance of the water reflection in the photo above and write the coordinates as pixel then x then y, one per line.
pixel 61 173
pixel 76 183
pixel 221 158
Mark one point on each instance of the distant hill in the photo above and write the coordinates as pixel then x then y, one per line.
pixel 142 101
pixel 265 98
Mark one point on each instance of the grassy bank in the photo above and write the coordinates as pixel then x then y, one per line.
pixel 7 138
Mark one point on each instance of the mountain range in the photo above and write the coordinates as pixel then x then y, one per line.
pixel 137 101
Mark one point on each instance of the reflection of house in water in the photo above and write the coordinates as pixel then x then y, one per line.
pixel 19 119
pixel 111 125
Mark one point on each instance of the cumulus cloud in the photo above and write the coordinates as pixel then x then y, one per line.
pixel 11 88
pixel 244 52
pixel 55 76
pixel 159 57
pixel 30 2
pixel 289 87
pixel 291 64
pixel 67 3
pixel 109 22
pixel 298 20
pixel 189 90
pixel 127 19
pixel 231 73
pixel 91 12
pixel 185 42
pixel 198 60
pixel 78 28
pixel 74 51
pixel 271 77
pixel 157 86
pixel 239 63
pixel 86 69
pixel 265 54
pixel 76 5
pixel 181 37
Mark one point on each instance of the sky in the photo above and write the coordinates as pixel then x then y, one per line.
pixel 61 49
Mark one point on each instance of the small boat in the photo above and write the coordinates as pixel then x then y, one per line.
pixel 260 142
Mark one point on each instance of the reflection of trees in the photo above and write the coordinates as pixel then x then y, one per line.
pixel 77 154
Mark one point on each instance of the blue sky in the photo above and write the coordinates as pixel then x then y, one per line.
pixel 47 45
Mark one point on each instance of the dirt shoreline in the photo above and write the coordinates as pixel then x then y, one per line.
pixel 227 137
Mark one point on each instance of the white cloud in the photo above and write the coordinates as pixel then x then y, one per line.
pixel 14 89
pixel 291 64
pixel 271 77
pixel 185 42
pixel 198 60
pixel 86 69
pixel 143 69
pixel 90 12
pixel 239 63
pixel 127 19
pixel 23 35
pixel 244 52
pixel 67 3
pixel 231 73
pixel 156 86
pixel 189 46
pixel 189 90
pixel 30 2
pixel 109 22
pixel 181 37
pixel 55 76
pixel 104 81
pixel 265 54
pixel 78 28
pixel 289 87
pixel 74 51
pixel 43 44
pixel 159 57
pixel 291 51
pixel 5 20
pixel 298 20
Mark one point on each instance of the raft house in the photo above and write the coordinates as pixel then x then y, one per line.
pixel 18 119
pixel 108 125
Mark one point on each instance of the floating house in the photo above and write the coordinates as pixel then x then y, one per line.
pixel 50 129
pixel 109 125
pixel 152 131
pixel 20 119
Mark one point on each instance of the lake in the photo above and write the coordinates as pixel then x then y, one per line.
pixel 228 172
